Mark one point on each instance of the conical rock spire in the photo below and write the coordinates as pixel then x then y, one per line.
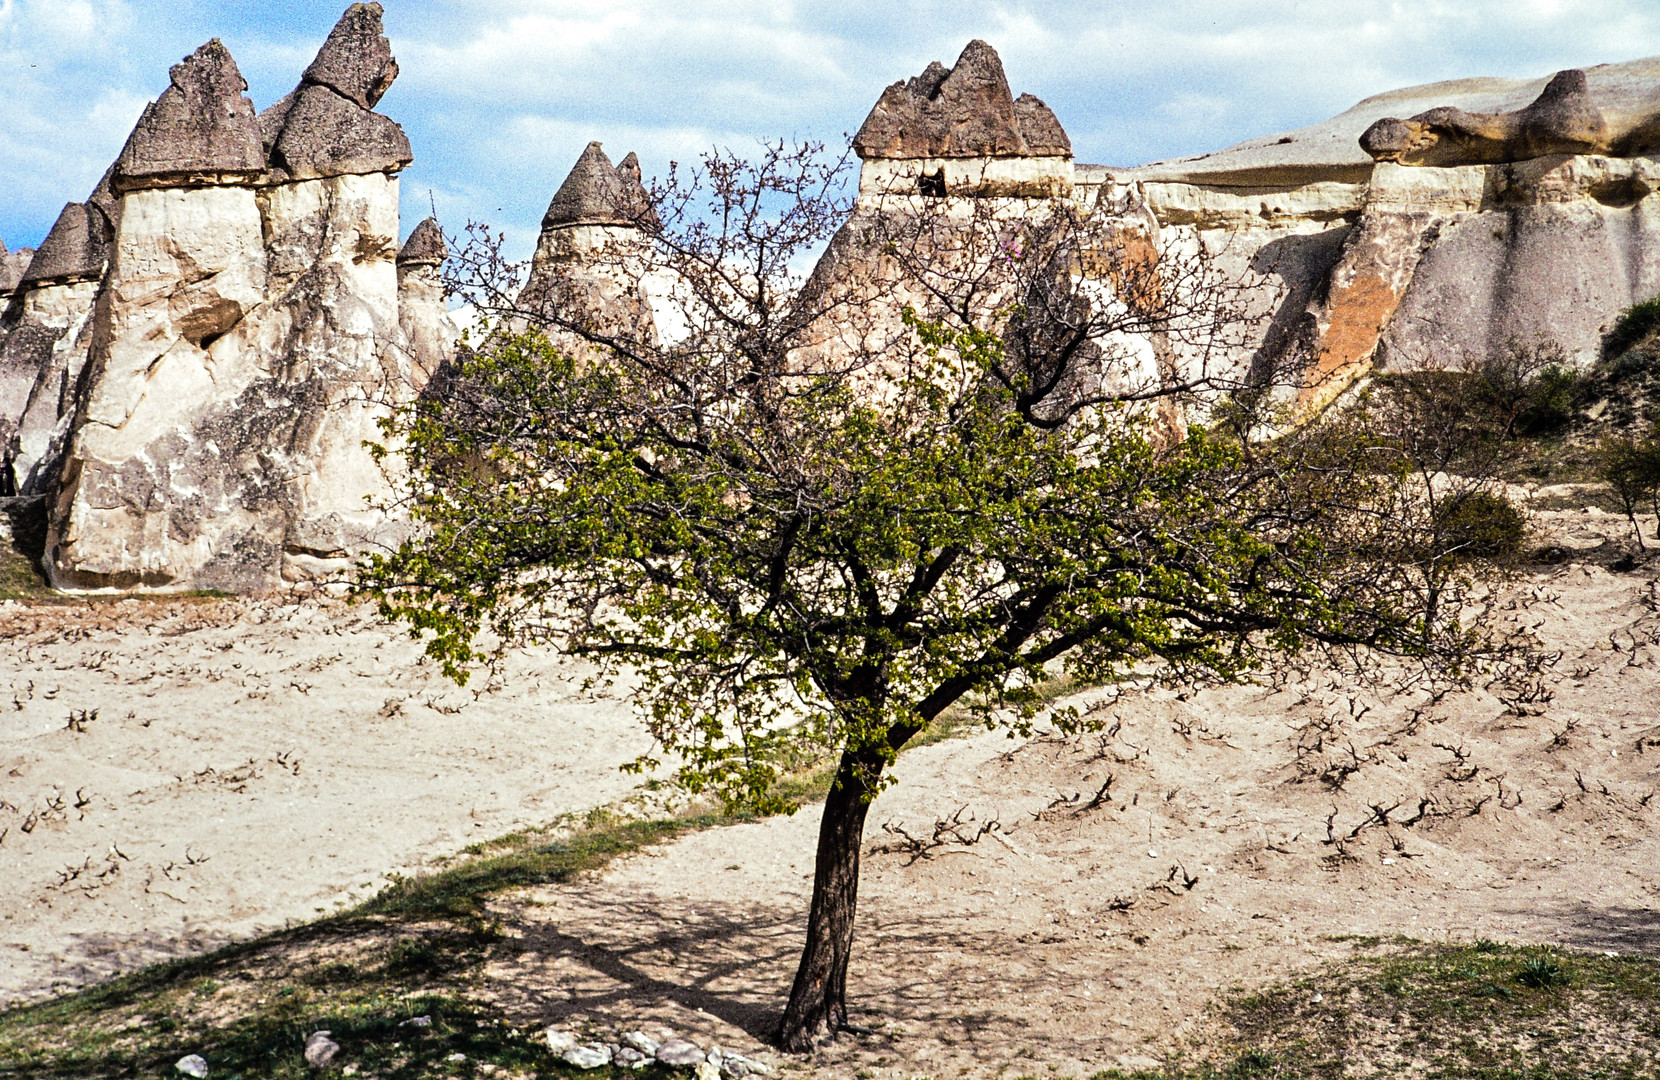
pixel 326 127
pixel 425 246
pixel 356 61
pixel 966 112
pixel 76 249
pixel 599 193
pixel 202 126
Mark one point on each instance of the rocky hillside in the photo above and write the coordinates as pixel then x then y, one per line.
pixel 1502 210
pixel 191 361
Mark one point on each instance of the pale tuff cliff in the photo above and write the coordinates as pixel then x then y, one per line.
pixel 230 319
pixel 1504 210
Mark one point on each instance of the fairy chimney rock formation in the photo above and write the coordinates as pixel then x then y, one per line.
pixel 425 246
pixel 962 132
pixel 45 338
pixel 597 193
pixel 586 270
pixel 247 337
pixel 428 330
pixel 356 61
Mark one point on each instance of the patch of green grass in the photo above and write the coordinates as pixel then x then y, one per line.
pixel 1634 324
pixel 417 948
pixel 22 540
pixel 1542 972
pixel 21 579
pixel 1482 1011
pixel 462 889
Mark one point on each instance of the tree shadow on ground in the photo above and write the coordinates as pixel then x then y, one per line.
pixel 1592 926
pixel 622 962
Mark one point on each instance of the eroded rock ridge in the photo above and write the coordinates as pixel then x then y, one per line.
pixel 191 361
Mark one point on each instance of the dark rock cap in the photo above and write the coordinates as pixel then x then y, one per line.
pixel 599 193
pixel 270 121
pixel 12 266
pixel 1561 120
pixel 323 134
pixel 425 246
pixel 202 126
pixel 634 189
pixel 75 250
pixel 356 60
pixel 326 126
pixel 967 111
pixel 103 200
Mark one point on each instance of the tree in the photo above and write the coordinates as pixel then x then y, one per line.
pixel 1631 467
pixel 802 524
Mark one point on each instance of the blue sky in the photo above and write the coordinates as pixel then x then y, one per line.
pixel 500 96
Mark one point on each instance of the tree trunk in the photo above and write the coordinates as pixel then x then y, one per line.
pixel 818 1001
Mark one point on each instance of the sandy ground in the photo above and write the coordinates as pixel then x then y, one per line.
pixel 1248 829
pixel 174 774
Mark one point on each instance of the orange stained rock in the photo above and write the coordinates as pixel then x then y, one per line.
pixel 1358 312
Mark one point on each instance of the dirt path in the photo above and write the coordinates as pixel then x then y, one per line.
pixel 174 774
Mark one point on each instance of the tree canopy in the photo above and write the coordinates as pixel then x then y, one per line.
pixel 787 554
